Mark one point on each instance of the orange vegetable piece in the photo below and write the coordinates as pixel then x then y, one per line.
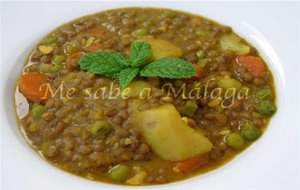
pixel 94 47
pixel 99 33
pixel 75 56
pixel 30 84
pixel 254 65
pixel 192 164
pixel 199 71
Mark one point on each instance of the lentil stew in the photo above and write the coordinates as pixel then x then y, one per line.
pixel 198 95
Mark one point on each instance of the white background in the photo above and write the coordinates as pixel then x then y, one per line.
pixel 273 27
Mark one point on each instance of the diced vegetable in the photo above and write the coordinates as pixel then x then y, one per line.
pixel 199 71
pixel 264 94
pixel 50 40
pixel 190 165
pixel 70 49
pixel 45 68
pixel 171 139
pixel 37 111
pixel 119 173
pixel 50 68
pixel 203 33
pixel 163 28
pixel 30 84
pixel 138 178
pixel 200 54
pixel 101 128
pixel 170 14
pixel 44 146
pixel 45 49
pixel 232 42
pixel 136 88
pixel 162 48
pixel 228 83
pixel 75 56
pixel 69 77
pixel 56 68
pixel 94 47
pixel 234 140
pixel 215 102
pixel 99 33
pixel 250 132
pixel 202 62
pixel 140 32
pixel 33 127
pixel 253 64
pixel 189 108
pixel 266 107
pixel 58 59
pixel 90 41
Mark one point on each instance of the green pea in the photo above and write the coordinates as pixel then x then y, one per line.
pixel 56 68
pixel 58 59
pixel 267 108
pixel 234 140
pixel 264 94
pixel 189 108
pixel 101 128
pixel 50 40
pixel 140 32
pixel 170 14
pixel 250 132
pixel 45 68
pixel 37 111
pixel 119 172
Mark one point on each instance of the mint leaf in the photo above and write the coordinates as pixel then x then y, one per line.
pixel 169 67
pixel 103 63
pixel 127 75
pixel 139 53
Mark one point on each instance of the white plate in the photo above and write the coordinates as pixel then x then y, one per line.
pixel 271 163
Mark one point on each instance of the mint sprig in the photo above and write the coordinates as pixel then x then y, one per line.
pixel 115 65
pixel 169 67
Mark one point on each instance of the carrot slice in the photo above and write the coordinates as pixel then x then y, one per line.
pixel 30 84
pixel 192 164
pixel 94 47
pixel 99 33
pixel 199 71
pixel 75 56
pixel 254 65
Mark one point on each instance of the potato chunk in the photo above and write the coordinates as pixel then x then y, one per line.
pixel 162 48
pixel 169 136
pixel 232 42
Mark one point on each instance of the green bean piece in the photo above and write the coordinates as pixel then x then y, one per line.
pixel 50 40
pixel 264 94
pixel 119 173
pixel 45 68
pixel 250 132
pixel 189 108
pixel 267 108
pixel 58 59
pixel 101 128
pixel 56 68
pixel 234 140
pixel 37 111
pixel 140 32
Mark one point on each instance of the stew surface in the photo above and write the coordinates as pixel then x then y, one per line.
pixel 198 95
